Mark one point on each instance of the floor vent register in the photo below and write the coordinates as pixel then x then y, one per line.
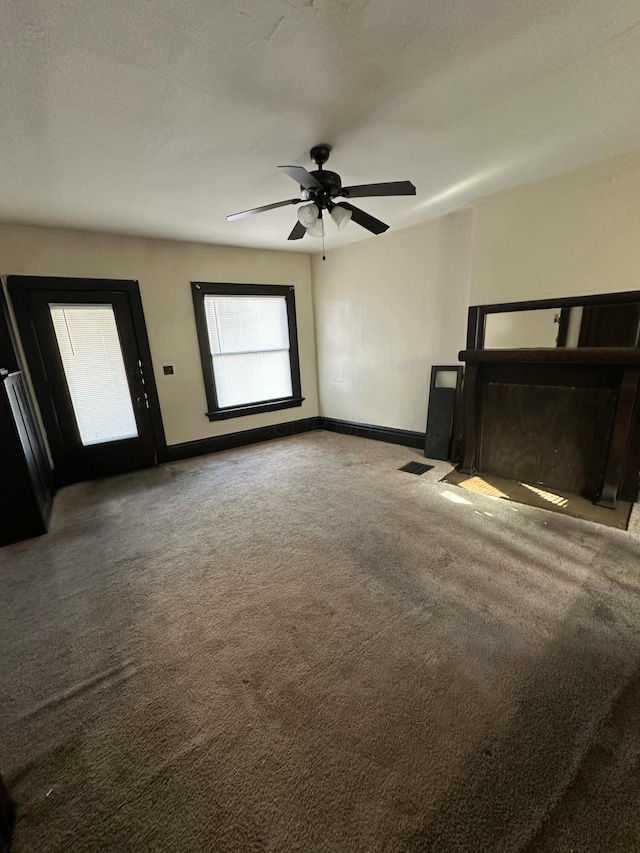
pixel 415 468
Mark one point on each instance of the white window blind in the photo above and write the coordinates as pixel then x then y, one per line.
pixel 89 345
pixel 249 345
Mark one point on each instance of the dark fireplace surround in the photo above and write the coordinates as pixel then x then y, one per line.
pixel 563 417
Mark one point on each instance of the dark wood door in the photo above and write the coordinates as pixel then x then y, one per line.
pixel 97 412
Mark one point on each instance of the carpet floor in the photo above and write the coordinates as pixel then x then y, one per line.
pixel 296 648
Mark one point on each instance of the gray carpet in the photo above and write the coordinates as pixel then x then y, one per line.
pixel 297 647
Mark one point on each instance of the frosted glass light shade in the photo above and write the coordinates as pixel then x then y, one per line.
pixel 308 215
pixel 316 230
pixel 341 217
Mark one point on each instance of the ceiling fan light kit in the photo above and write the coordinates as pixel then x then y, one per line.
pixel 320 187
pixel 341 216
pixel 317 229
pixel 308 214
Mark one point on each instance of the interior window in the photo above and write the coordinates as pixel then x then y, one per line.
pixel 249 348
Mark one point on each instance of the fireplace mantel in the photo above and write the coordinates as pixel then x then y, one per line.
pixel 555 355
pixel 561 417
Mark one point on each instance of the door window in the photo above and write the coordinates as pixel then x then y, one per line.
pixel 91 355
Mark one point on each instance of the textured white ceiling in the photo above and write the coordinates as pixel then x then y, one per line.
pixel 159 117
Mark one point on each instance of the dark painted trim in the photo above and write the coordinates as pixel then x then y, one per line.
pixel 612 356
pixel 239 439
pixel 9 351
pixel 203 446
pixel 619 298
pixel 475 328
pixel 256 408
pixel 200 289
pixel 622 430
pixel 563 327
pixel 478 313
pixel 406 437
pixel 18 365
pixel 19 287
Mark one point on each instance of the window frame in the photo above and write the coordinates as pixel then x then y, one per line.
pixel 199 290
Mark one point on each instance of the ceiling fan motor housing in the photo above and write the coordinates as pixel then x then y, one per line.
pixel 331 187
pixel 320 153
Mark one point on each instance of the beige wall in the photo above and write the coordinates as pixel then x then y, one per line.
pixel 164 270
pixel 386 309
pixel 573 234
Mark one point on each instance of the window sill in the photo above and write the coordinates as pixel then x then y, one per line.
pixel 255 408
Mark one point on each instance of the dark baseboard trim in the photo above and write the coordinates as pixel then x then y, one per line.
pixel 239 439
pixel 406 437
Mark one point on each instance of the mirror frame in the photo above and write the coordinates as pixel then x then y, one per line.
pixel 477 317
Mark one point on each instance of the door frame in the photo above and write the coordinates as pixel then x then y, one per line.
pixel 20 287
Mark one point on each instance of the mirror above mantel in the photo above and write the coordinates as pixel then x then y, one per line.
pixel 602 320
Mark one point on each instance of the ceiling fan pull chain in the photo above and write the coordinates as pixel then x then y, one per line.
pixel 324 257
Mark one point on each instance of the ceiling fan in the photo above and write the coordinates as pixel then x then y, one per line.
pixel 320 187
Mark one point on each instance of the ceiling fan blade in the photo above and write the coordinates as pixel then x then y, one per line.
pixel 264 207
pixel 302 177
pixel 365 219
pixel 390 188
pixel 298 232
